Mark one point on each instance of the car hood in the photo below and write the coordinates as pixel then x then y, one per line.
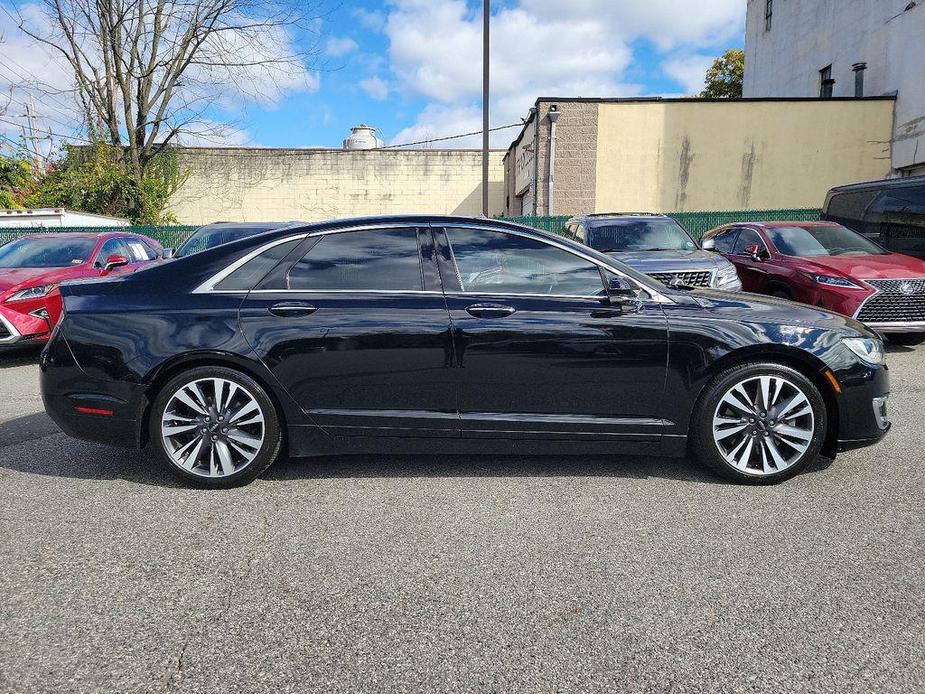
pixel 890 266
pixel 743 307
pixel 664 261
pixel 12 278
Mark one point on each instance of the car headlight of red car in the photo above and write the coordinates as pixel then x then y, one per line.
pixel 832 281
pixel 31 293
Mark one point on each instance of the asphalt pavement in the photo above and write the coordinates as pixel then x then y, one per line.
pixel 459 573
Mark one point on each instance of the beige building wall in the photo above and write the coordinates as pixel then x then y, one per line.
pixel 251 184
pixel 732 155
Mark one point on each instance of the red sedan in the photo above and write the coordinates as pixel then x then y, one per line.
pixel 828 265
pixel 32 267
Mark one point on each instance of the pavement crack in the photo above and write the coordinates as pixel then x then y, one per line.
pixel 177 674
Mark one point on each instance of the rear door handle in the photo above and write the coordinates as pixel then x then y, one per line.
pixel 489 310
pixel 288 309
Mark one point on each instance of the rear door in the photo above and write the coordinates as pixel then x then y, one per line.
pixel 353 324
pixel 539 354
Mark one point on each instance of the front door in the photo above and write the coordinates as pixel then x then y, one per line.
pixel 540 355
pixel 356 329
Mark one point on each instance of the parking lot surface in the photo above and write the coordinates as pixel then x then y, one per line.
pixel 459 573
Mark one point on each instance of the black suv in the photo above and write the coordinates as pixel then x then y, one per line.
pixel 890 212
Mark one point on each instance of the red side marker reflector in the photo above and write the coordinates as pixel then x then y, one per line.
pixel 94 410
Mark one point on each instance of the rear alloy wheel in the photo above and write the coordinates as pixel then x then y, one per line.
pixel 215 427
pixel 759 423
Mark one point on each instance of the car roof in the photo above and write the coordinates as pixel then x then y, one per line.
pixel 599 216
pixel 883 183
pixel 257 226
pixel 777 224
pixel 79 234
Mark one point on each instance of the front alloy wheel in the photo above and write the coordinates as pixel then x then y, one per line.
pixel 759 423
pixel 215 427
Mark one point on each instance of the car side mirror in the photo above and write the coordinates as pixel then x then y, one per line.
pixel 709 245
pixel 754 252
pixel 619 290
pixel 167 253
pixel 114 261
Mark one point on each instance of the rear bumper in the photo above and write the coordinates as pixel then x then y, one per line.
pixel 93 409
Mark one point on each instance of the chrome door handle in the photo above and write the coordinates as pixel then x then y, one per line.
pixel 489 310
pixel 292 308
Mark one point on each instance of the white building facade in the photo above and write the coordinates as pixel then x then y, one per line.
pixel 844 48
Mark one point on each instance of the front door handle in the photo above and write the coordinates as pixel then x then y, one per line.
pixel 288 309
pixel 489 310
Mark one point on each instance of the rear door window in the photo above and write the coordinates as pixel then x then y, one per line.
pixel 377 260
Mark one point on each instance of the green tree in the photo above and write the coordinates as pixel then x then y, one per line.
pixel 15 180
pixel 724 78
pixel 96 178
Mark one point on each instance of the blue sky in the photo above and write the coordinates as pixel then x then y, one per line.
pixel 412 68
pixel 361 59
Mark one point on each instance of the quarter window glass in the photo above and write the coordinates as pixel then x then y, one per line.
pixel 725 241
pixel 747 238
pixel 494 262
pixel 255 269
pixel 385 259
pixel 140 251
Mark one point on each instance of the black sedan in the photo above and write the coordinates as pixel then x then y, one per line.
pixel 435 334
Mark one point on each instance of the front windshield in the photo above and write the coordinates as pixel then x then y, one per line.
pixel 823 240
pixel 640 235
pixel 53 251
pixel 205 238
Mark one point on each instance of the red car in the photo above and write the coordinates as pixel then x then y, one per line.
pixel 830 266
pixel 32 267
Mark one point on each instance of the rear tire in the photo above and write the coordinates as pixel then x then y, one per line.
pixel 215 427
pixel 781 293
pixel 908 339
pixel 758 423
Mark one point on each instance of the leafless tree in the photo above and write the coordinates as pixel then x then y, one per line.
pixel 146 71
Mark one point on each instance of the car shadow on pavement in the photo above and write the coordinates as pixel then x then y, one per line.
pixel 42 449
pixel 25 356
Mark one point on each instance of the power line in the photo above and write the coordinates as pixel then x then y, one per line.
pixel 450 137
pixel 50 132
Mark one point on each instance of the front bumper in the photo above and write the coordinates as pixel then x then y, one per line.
pixel 26 322
pixel 898 327
pixel 863 406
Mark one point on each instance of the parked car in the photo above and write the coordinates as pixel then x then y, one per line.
pixel 655 245
pixel 212 235
pixel 829 266
pixel 33 266
pixel 890 212
pixel 430 334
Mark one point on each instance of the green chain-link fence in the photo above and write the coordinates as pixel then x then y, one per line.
pixel 169 237
pixel 697 223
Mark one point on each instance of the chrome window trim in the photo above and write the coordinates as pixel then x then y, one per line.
pixel 14 335
pixel 208 287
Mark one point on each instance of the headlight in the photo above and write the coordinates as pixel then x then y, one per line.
pixel 727 278
pixel 831 281
pixel 31 293
pixel 868 350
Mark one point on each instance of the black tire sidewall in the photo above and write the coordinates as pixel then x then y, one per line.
pixel 273 438
pixel 704 448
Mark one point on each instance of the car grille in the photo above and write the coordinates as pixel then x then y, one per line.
pixel 691 279
pixel 896 301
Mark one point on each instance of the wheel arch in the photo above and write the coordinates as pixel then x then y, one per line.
pixel 810 366
pixel 158 377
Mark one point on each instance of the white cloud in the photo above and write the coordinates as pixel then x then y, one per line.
pixel 371 19
pixel 340 46
pixel 689 71
pixel 539 48
pixel 375 88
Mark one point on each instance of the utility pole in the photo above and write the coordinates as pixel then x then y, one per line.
pixel 486 21
pixel 38 164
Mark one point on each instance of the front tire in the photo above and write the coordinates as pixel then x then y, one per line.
pixel 758 423
pixel 215 427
